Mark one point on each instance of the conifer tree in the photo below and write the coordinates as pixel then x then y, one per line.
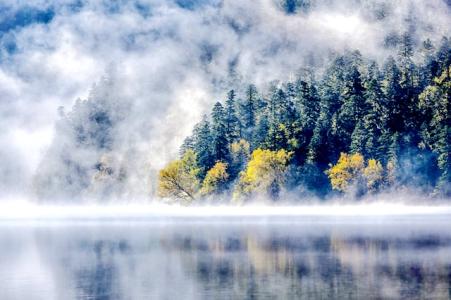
pixel 351 110
pixel 376 114
pixel 220 144
pixel 248 112
pixel 358 139
pixel 392 91
pixel 408 84
pixel 435 102
pixel 396 119
pixel 231 121
pixel 202 137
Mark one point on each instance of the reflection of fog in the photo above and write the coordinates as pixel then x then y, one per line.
pixel 213 261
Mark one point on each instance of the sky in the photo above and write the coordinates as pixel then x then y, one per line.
pixel 171 60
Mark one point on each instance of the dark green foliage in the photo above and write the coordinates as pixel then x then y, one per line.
pixel 202 145
pixel 307 103
pixel 232 124
pixel 358 139
pixel 219 141
pixel 392 91
pixel 350 112
pixel 375 118
pixel 260 132
pixel 398 115
pixel 248 112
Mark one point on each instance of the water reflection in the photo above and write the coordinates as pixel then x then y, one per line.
pixel 309 260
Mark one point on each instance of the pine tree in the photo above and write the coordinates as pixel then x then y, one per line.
pixel 392 91
pixel 358 139
pixel 220 144
pixel 281 117
pixel 443 55
pixel 408 83
pixel 274 116
pixel 435 103
pixel 248 112
pixel 351 111
pixel 307 109
pixel 321 149
pixel 261 131
pixel 188 144
pixel 376 114
pixel 202 137
pixel 307 104
pixel 289 112
pixel 231 121
pixel 430 67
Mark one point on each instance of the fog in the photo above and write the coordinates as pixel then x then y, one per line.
pixel 323 258
pixel 159 65
pixel 31 213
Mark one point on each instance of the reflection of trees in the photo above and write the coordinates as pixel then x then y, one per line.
pixel 220 264
pixel 319 267
pixel 99 280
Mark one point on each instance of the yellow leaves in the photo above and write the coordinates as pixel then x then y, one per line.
pixel 351 167
pixel 215 179
pixel 373 174
pixel 428 96
pixel 265 168
pixel 391 170
pixel 444 77
pixel 241 146
pixel 357 161
pixel 348 167
pixel 179 178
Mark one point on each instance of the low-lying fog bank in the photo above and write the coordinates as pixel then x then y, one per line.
pixel 164 212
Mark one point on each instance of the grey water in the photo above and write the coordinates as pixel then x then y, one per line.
pixel 317 257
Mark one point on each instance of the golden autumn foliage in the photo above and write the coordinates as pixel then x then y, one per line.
pixel 179 178
pixel 351 167
pixel 391 172
pixel 346 171
pixel 215 179
pixel 265 169
pixel 240 147
pixel 374 174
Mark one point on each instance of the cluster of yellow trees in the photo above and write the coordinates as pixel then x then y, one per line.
pixel 264 172
pixel 351 169
pixel 179 179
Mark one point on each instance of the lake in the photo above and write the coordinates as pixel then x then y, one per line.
pixel 257 257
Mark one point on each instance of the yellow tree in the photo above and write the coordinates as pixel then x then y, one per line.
pixel 373 174
pixel 179 178
pixel 265 172
pixel 347 170
pixel 216 179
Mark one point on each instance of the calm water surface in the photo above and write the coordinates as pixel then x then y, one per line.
pixel 228 258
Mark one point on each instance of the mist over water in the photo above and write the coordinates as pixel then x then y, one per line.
pixel 97 96
pixel 402 257
pixel 172 213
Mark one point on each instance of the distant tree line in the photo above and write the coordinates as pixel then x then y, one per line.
pixel 360 128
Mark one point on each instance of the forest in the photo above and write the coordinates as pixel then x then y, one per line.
pixel 355 128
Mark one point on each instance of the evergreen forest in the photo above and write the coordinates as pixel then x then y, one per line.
pixel 355 128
